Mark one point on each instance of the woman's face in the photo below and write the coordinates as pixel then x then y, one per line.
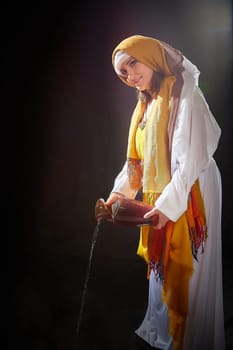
pixel 137 74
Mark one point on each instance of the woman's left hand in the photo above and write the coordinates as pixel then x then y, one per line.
pixel 162 219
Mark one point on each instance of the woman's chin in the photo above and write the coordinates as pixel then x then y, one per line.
pixel 139 88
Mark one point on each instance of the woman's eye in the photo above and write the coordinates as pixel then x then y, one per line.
pixel 132 63
pixel 123 72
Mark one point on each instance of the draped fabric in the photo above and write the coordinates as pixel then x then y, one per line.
pixel 167 251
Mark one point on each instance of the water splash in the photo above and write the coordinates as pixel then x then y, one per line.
pixel 87 276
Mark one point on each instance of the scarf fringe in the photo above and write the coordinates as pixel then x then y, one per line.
pixel 158 270
pixel 198 239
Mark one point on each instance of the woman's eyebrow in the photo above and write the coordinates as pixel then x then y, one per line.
pixel 129 59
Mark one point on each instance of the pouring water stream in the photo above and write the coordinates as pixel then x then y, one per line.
pixel 87 276
pixel 123 212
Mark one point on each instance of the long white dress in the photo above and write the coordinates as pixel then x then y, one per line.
pixel 195 140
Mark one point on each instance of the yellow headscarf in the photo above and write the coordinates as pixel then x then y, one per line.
pixel 147 50
pixel 170 247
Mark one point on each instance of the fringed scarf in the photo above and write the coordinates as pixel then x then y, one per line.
pixel 169 251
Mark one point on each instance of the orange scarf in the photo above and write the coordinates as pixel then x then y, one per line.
pixel 169 253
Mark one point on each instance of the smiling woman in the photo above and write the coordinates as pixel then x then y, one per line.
pixel 137 74
pixel 172 139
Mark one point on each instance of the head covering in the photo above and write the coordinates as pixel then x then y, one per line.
pixel 119 58
pixel 147 50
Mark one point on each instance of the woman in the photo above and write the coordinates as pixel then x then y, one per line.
pixel 172 139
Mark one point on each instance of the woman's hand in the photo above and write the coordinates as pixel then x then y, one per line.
pixel 112 198
pixel 162 219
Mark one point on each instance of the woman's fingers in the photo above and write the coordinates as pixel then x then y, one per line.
pixel 112 198
pixel 160 221
pixel 150 213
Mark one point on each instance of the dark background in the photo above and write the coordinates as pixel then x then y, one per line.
pixel 68 128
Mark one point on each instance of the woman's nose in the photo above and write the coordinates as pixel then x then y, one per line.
pixel 130 77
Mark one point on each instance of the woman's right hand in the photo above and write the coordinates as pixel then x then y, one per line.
pixel 112 198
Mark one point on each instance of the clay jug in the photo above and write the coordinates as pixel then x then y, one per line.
pixel 124 211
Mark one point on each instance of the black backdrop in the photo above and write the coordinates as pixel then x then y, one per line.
pixel 68 125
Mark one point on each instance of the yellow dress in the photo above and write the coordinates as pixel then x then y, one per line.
pixel 139 141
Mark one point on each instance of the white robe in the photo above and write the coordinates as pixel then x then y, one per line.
pixel 195 140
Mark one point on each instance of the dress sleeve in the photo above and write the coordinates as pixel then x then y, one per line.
pixel 195 140
pixel 121 184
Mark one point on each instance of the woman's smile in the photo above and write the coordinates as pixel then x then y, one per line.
pixel 138 82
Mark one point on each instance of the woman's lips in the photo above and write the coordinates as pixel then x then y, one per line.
pixel 138 83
